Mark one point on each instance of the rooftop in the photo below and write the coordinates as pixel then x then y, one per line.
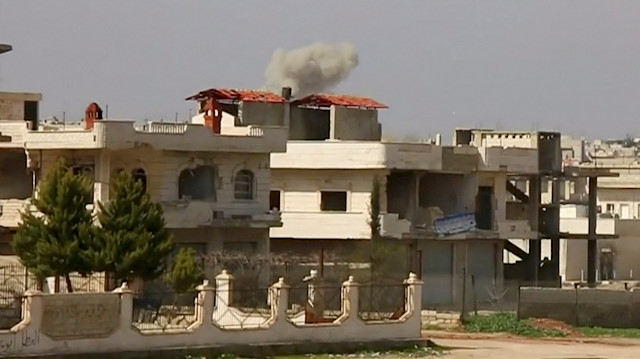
pixel 232 95
pixel 326 100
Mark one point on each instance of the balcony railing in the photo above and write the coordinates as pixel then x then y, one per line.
pixel 162 127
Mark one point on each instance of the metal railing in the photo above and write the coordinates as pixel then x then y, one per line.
pixel 167 128
pixel 381 302
pixel 164 310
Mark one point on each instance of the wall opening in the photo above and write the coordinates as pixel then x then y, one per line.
pixel 31 114
pixel 243 185
pixel 333 201
pixel 484 208
pixel 309 124
pixel 400 193
pixel 274 200
pixel 16 180
pixel 139 175
pixel 198 183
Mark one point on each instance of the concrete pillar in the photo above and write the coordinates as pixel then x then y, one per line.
pixel 413 298
pixel 592 242
pixel 32 309
pixel 126 305
pixel 224 287
pixel 555 227
pixel 350 297
pixel 204 302
pixel 534 243
pixel 279 299
pixel 102 176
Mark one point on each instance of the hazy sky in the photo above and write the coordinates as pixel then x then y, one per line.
pixel 572 66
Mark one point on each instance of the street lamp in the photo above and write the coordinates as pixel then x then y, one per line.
pixel 5 48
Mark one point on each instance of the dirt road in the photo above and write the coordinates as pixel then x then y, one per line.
pixel 515 348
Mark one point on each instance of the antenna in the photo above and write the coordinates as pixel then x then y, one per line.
pixel 106 111
pixel 176 119
pixel 64 120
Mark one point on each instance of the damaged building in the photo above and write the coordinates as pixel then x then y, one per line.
pixel 211 175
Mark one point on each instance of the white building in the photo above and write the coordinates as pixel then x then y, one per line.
pixel 211 176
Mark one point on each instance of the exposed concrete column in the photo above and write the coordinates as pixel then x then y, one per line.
pixel 102 176
pixel 555 229
pixel 592 242
pixel 534 243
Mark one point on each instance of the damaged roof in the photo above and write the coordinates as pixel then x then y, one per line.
pixel 326 100
pixel 238 95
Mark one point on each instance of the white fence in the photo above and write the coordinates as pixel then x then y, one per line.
pixel 102 322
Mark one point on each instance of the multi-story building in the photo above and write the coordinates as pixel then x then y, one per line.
pixel 451 204
pixel 211 176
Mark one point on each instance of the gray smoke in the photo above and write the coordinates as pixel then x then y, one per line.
pixel 311 69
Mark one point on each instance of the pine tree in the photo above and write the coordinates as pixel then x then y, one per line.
pixel 133 241
pixel 185 273
pixel 56 241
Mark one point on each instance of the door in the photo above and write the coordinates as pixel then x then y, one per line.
pixel 484 208
pixel 437 273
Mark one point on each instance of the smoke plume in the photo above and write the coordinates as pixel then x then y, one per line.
pixel 311 69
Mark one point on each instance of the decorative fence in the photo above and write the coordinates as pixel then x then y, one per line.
pixel 118 321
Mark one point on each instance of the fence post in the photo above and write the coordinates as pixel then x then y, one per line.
pixel 473 292
pixel 413 296
pixel 279 293
pixel 350 298
pixel 204 302
pixel 126 305
pixel 463 309
pixel 224 287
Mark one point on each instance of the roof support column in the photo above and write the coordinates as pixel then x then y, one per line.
pixel 534 243
pixel 592 249
pixel 555 230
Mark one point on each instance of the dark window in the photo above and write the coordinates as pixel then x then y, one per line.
pixel 31 113
pixel 197 183
pixel 240 247
pixel 333 201
pixel 139 175
pixel 484 208
pixel 243 185
pixel 274 200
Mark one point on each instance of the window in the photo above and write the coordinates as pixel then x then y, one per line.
pixel 333 201
pixel 139 175
pixel 611 207
pixel 243 185
pixel 274 200
pixel 197 183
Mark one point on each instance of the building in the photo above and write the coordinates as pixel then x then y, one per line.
pixel 211 176
pixel 453 206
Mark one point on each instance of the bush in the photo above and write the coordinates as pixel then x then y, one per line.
pixel 508 323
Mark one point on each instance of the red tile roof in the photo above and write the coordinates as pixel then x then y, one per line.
pixel 326 100
pixel 238 95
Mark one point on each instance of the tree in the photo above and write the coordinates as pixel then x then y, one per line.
pixel 185 273
pixel 133 241
pixel 56 241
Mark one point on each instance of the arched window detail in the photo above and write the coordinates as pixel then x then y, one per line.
pixel 138 174
pixel 198 183
pixel 243 185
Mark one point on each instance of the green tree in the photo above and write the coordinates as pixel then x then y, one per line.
pixel 133 241
pixel 56 241
pixel 186 273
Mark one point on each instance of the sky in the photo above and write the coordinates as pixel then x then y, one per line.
pixel 570 66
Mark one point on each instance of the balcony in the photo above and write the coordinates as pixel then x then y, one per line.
pixel 193 214
pixel 10 212
pixel 118 134
pixel 337 225
pixel 358 155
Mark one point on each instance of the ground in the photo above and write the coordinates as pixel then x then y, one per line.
pixel 503 347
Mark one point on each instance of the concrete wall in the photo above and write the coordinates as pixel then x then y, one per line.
pixel 355 124
pixel 102 323
pixel 12 104
pixel 261 114
pixel 582 307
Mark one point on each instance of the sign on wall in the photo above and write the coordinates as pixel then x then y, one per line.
pixel 68 316
pixel 458 223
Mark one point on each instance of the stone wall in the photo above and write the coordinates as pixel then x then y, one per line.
pixel 77 323
pixel 582 307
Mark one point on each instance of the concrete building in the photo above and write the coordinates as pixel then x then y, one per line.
pixel 452 205
pixel 211 176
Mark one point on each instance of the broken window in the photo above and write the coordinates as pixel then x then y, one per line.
pixel 197 183
pixel 139 175
pixel 333 201
pixel 274 200
pixel 243 185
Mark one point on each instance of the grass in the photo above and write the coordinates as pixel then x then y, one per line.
pixel 411 352
pixel 508 323
pixel 610 332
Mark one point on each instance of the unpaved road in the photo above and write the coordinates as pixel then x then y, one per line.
pixel 515 348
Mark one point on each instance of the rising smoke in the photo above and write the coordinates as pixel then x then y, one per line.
pixel 311 69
